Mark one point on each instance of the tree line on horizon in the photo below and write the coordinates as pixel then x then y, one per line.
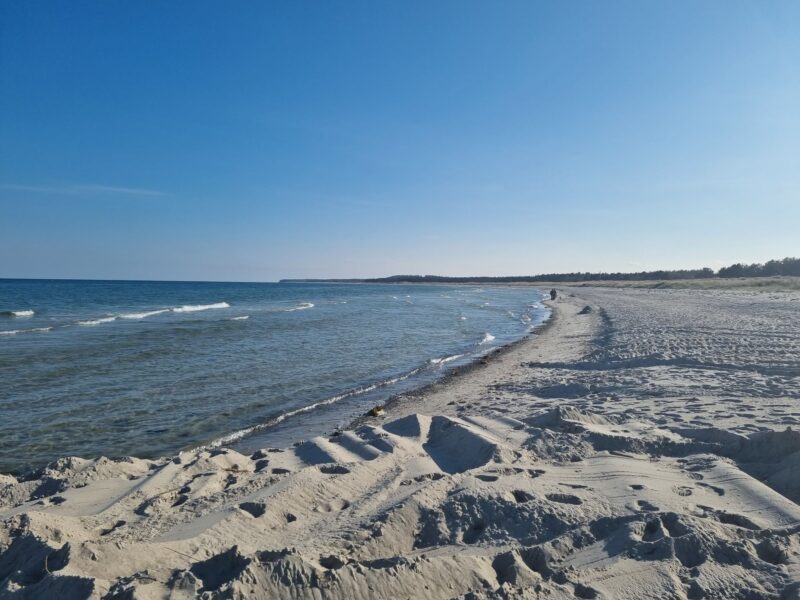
pixel 787 266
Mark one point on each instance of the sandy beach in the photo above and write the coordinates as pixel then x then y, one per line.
pixel 642 444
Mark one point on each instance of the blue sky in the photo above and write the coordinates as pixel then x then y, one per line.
pixel 253 141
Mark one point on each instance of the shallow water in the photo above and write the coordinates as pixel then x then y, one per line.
pixel 149 368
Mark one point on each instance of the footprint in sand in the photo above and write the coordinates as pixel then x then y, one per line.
pixel 113 528
pixel 473 533
pixel 717 490
pixel 564 498
pixel 646 506
pixel 334 469
pixel 256 509
pixel 737 520
pixel 521 496
pixel 425 477
pixel 332 506
pixel 331 562
pixel 584 591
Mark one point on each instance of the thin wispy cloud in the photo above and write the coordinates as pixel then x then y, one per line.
pixel 82 189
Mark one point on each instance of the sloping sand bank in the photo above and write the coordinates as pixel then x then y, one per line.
pixel 646 448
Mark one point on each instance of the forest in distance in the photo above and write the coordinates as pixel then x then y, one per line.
pixel 773 268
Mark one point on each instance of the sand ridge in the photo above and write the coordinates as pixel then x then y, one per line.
pixel 643 449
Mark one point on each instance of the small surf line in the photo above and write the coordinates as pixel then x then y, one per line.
pixel 237 435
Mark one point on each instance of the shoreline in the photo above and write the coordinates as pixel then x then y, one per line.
pixel 450 373
pixel 230 440
pixel 399 404
pixel 221 377
pixel 237 439
pixel 631 457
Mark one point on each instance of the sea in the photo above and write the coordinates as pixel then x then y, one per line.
pixel 121 368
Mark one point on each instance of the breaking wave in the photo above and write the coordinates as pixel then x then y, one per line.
pixel 34 330
pixel 189 308
pixel 16 313
pixel 143 315
pixel 301 306
pixel 198 307
pixel 445 359
pixel 97 321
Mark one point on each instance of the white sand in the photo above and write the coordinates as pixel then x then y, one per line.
pixel 641 450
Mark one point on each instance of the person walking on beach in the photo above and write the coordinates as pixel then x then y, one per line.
pixel 553 294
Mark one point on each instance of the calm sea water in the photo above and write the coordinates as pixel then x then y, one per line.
pixel 92 368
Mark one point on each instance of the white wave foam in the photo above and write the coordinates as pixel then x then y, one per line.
pixel 198 307
pixel 301 306
pixel 487 337
pixel 463 318
pixel 151 313
pixel 143 315
pixel 34 330
pixel 98 321
pixel 242 318
pixel 445 359
pixel 16 313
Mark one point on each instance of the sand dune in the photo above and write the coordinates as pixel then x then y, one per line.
pixel 639 450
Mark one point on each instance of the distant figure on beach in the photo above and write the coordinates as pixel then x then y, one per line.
pixel 553 294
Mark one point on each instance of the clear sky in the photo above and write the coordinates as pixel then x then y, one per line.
pixel 259 140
